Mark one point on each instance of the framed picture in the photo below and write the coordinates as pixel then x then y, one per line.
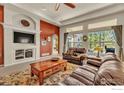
pixel 49 38
pixel 25 23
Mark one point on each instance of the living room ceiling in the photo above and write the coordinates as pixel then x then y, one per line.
pixel 47 10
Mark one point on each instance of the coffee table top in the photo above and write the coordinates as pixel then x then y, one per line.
pixel 43 65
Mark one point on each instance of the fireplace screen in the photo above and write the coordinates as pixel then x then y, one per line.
pixel 28 53
pixel 19 54
pixel 23 53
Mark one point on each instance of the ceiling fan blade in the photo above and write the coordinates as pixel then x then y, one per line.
pixel 71 5
pixel 57 6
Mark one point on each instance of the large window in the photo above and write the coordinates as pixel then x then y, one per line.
pixel 102 39
pixel 75 40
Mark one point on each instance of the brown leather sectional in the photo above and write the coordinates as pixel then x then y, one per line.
pixel 108 71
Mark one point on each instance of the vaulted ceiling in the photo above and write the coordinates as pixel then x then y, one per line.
pixel 65 14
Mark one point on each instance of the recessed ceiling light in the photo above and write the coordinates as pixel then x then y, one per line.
pixel 44 9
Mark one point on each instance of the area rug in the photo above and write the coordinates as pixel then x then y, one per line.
pixel 24 78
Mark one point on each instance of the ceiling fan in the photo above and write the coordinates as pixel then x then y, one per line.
pixel 71 5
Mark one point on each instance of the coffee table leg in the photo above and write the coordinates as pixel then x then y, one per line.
pixel 41 79
pixel 65 68
pixel 32 74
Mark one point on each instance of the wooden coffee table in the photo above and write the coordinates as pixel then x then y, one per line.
pixel 44 69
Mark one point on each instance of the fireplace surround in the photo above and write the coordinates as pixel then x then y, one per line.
pixel 19 52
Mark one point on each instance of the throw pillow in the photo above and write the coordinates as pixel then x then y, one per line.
pixel 75 54
pixel 71 52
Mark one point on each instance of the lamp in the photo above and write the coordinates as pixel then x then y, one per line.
pixel 98 48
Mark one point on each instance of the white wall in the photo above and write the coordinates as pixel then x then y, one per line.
pixel 118 16
pixel 9 27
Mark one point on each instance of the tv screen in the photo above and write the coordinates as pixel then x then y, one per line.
pixel 23 38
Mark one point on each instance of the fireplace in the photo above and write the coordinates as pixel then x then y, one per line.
pixel 23 53
pixel 19 54
pixel 28 53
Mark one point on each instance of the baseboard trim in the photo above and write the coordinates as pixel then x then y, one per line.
pixel 1 65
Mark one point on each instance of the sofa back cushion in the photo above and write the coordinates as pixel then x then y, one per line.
pixel 109 56
pixel 78 50
pixel 110 72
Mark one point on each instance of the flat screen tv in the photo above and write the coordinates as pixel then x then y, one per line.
pixel 23 38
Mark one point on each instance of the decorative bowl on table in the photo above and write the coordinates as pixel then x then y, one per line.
pixel 55 59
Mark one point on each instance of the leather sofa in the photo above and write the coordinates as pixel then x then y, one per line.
pixel 74 55
pixel 108 71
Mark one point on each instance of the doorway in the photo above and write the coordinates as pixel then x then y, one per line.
pixel 54 44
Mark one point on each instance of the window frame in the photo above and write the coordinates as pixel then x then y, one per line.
pixel 100 41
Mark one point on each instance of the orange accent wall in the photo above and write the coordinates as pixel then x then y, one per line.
pixel 1 13
pixel 47 29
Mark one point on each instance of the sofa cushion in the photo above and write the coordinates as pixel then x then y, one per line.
pixel 92 66
pixel 89 68
pixel 83 80
pixel 86 76
pixel 75 58
pixel 72 81
pixel 109 56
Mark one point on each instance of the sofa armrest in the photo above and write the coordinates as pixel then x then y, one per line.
pixel 94 62
pixel 84 56
pixel 94 58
